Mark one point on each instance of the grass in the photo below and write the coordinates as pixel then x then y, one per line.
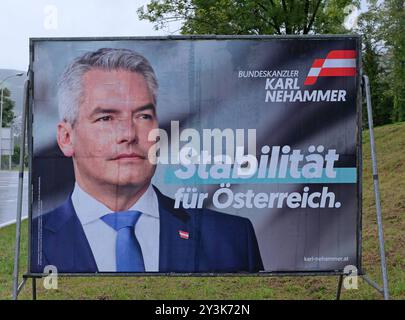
pixel 390 143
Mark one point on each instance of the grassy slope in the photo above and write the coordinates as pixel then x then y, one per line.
pixel 390 141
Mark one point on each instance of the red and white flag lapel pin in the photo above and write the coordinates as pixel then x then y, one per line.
pixel 184 234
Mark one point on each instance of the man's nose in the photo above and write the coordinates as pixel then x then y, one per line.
pixel 126 131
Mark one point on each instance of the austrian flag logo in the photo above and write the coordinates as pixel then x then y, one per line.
pixel 338 63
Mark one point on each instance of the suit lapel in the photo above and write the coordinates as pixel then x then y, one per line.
pixel 67 245
pixel 177 252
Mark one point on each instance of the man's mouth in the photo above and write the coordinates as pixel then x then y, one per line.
pixel 129 156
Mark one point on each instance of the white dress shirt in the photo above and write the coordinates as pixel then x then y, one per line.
pixel 102 237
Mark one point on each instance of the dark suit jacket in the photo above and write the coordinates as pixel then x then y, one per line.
pixel 217 242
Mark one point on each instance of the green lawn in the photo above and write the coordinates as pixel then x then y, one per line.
pixel 390 141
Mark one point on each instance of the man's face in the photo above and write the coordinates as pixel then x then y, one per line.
pixel 109 140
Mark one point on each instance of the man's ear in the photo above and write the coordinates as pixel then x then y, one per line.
pixel 65 138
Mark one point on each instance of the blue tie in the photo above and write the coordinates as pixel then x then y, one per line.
pixel 128 253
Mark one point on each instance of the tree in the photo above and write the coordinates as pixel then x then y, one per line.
pixel 393 26
pixel 382 101
pixel 384 58
pixel 374 66
pixel 8 105
pixel 16 156
pixel 237 17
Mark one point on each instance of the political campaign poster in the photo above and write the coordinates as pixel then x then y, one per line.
pixel 205 155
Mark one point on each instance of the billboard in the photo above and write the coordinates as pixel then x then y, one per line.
pixel 195 155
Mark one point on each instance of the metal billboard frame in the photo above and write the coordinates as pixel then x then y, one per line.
pixel 361 81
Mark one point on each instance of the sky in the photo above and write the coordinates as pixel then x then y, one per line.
pixel 22 19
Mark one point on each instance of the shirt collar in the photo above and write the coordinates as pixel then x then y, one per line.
pixel 147 203
pixel 88 209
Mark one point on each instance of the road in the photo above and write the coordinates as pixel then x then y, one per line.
pixel 8 196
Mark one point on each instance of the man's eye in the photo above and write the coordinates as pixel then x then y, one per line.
pixel 145 116
pixel 105 118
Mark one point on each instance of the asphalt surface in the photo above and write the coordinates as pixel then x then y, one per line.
pixel 8 196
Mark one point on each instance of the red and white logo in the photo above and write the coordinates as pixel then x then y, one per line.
pixel 184 234
pixel 338 63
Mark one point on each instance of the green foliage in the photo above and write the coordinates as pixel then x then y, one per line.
pixel 374 54
pixel 393 26
pixel 15 158
pixel 16 155
pixel 8 105
pixel 237 17
pixel 384 58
